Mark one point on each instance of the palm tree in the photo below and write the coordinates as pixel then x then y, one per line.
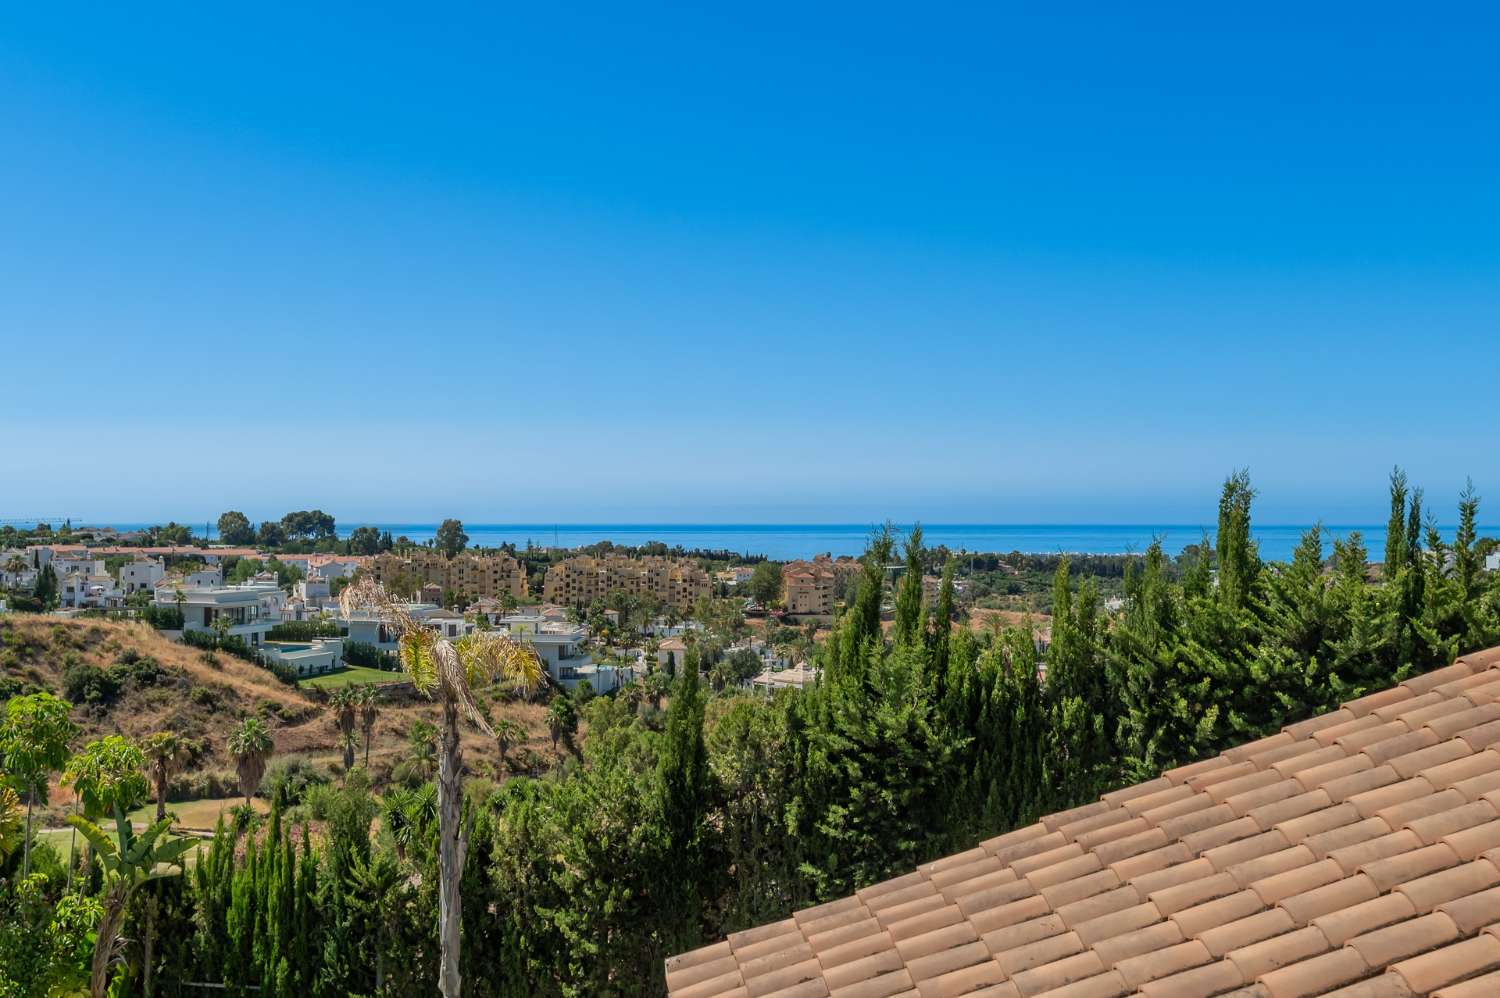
pixel 562 719
pixel 452 669
pixel 251 746
pixel 368 698
pixel 345 701
pixel 657 686
pixel 421 754
pixel 508 733
pixel 166 754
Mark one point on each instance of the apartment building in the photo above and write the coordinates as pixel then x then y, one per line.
pixel 470 575
pixel 581 580
pixel 812 587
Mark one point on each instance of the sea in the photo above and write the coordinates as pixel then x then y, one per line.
pixel 782 541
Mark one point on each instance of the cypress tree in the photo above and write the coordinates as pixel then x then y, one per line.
pixel 908 621
pixel 1395 528
pixel 685 790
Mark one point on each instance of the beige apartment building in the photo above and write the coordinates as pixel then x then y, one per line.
pixel 470 575
pixel 812 587
pixel 581 580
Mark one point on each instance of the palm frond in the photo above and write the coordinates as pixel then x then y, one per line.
pixel 455 682
pixel 417 659
pixel 488 656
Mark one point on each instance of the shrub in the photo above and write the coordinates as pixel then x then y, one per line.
pixel 303 630
pixel 294 778
pixel 83 683
pixel 206 697
pixel 163 618
pixel 368 656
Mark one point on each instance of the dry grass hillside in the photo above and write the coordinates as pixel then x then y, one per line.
pixel 146 683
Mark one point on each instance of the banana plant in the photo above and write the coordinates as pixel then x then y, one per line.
pixel 129 860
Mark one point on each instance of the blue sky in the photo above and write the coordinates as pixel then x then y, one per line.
pixel 777 262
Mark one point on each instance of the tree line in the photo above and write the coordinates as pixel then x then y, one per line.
pixel 729 810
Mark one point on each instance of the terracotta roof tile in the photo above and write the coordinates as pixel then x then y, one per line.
pixel 1483 986
pixel 1353 854
pixel 1483 736
pixel 1305 729
pixel 1316 975
pixel 969 982
pixel 1475 911
pixel 1384 986
pixel 1290 883
pixel 1426 893
pixel 1471 842
pixel 1080 913
pixel 1139 941
pixel 1335 896
pixel 1324 843
pixel 991 919
pixel 1346 923
pixel 1334 816
pixel 1484 693
pixel 1393 870
pixel 1050 976
pixel 1245 931
pixel 1447 774
pixel 1106 985
pixel 1384 946
pixel 1365 704
pixel 1208 979
pixel 1278 951
pixel 1013 961
pixel 1220 911
pixel 1421 684
pixel 1341 788
pixel 1137 970
pixel 1117 923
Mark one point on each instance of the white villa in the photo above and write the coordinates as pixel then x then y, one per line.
pixel 141 575
pixel 251 609
pixel 560 646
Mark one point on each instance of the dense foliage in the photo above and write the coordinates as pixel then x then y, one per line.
pixel 670 829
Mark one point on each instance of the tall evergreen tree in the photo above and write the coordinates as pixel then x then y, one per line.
pixel 1395 528
pixel 908 619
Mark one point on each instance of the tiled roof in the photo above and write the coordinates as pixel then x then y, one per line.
pixel 1354 854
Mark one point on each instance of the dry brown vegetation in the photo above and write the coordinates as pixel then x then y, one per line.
pixel 202 695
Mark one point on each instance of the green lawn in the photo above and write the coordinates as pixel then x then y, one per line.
pixel 192 815
pixel 350 676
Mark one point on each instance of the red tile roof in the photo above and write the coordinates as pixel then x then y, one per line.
pixel 1354 854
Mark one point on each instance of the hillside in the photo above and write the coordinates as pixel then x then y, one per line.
pixel 125 678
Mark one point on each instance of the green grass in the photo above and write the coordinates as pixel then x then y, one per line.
pixel 192 815
pixel 350 676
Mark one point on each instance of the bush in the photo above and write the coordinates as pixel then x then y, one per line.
pixel 163 618
pixel 294 778
pixel 303 630
pixel 137 669
pixel 369 657
pixel 207 697
pixel 83 683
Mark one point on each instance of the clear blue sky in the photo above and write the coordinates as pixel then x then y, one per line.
pixel 769 262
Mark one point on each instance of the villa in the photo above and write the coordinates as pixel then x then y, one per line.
pixel 246 608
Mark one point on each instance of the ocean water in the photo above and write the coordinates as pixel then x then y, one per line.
pixel 785 541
